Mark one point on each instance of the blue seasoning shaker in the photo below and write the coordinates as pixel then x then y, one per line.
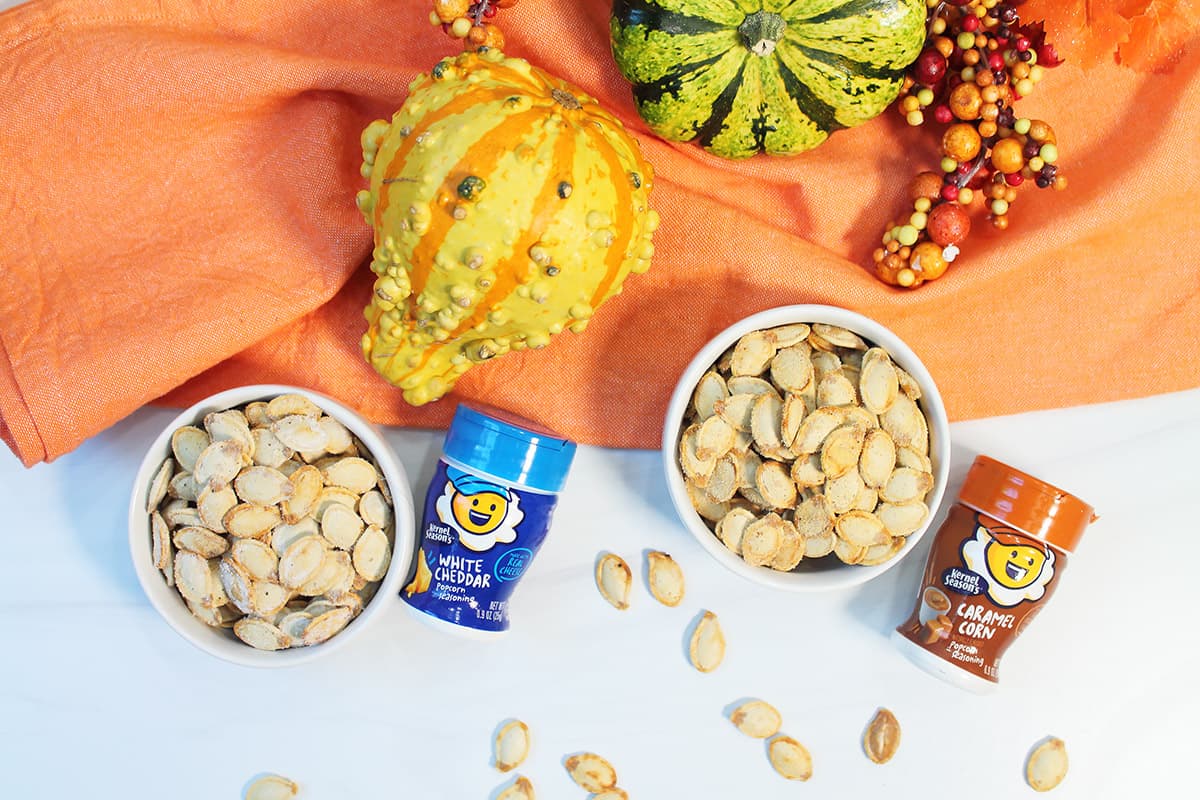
pixel 486 513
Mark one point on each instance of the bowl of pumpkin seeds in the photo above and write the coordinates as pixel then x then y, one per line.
pixel 806 448
pixel 269 524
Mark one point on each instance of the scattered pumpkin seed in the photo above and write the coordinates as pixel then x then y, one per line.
pixel 707 648
pixel 1047 765
pixel 272 787
pixel 511 746
pixel 614 580
pixel 790 758
pixel 757 718
pixel 665 578
pixel 882 737
pixel 591 772
pixel 520 789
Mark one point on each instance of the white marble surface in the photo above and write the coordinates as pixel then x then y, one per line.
pixel 100 699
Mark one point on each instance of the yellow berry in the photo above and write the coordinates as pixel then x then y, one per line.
pixel 914 118
pixel 918 220
pixel 450 10
pixel 965 196
pixel 460 28
pixel 923 205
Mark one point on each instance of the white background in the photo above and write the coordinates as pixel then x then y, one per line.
pixel 99 698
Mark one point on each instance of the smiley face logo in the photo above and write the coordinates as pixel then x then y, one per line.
pixel 483 513
pixel 1014 568
pixel 479 513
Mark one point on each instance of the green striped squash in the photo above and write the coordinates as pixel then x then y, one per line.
pixel 777 76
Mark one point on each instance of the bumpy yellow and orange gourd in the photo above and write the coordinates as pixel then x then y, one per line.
pixel 507 206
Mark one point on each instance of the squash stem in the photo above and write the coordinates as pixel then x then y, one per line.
pixel 761 30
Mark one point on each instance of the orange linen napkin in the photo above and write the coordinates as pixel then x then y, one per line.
pixel 177 186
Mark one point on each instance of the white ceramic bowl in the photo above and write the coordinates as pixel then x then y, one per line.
pixel 815 574
pixel 221 642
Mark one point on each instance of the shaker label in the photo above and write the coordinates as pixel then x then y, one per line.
pixel 478 538
pixel 983 583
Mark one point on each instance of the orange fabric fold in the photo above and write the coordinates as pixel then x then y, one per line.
pixel 177 186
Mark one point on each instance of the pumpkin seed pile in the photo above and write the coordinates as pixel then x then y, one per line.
pixel 272 520
pixel 805 440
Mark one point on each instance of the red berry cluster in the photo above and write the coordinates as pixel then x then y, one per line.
pixel 464 19
pixel 979 59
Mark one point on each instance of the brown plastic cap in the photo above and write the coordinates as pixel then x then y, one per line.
pixel 1031 506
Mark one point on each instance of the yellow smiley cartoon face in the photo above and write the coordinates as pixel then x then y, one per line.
pixel 1014 565
pixel 479 513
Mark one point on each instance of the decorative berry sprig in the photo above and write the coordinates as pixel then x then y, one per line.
pixel 465 20
pixel 979 59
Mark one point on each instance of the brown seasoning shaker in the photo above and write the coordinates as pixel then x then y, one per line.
pixel 995 562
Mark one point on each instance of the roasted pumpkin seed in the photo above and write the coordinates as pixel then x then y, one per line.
pixel 341 527
pixel 212 504
pixel 272 787
pixel 521 789
pixel 300 432
pixel 187 443
pixel 200 541
pixel 1047 765
pixel 904 518
pixel 906 484
pixel 260 634
pixel 790 758
pixel 710 391
pixel 372 554
pixel 614 580
pixel 325 626
pixel 591 772
pixel 752 354
pixel 882 737
pixel 732 526
pixel 219 463
pixel 511 746
pixel 757 718
pixel 775 484
pixel 665 578
pixel 707 647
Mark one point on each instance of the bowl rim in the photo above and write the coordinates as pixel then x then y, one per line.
pixel 841 576
pixel 169 603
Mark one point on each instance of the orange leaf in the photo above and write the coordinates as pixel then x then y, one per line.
pixel 1086 32
pixel 1158 36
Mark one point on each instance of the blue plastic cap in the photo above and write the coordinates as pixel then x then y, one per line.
pixel 508 447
